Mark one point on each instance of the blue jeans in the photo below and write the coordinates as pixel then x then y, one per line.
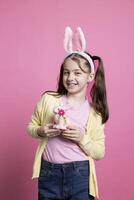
pixel 68 181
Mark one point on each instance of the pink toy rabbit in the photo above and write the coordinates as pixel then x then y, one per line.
pixel 60 119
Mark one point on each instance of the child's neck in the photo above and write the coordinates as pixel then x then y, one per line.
pixel 79 98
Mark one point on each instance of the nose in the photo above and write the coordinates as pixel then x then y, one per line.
pixel 70 76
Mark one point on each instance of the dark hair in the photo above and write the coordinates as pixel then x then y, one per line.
pixel 98 90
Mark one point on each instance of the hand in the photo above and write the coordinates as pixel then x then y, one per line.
pixel 73 133
pixel 48 131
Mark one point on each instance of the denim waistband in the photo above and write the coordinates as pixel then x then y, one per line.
pixel 65 165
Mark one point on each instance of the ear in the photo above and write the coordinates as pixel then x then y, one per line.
pixel 80 40
pixel 68 40
pixel 91 77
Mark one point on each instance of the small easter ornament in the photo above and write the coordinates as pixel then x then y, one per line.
pixel 61 121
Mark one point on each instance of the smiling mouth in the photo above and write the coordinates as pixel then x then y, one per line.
pixel 71 84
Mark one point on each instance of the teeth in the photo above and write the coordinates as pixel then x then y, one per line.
pixel 71 84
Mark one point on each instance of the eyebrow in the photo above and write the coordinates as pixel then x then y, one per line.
pixel 72 70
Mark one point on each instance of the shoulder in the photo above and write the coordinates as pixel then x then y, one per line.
pixel 50 95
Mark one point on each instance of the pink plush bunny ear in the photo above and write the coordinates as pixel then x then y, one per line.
pixel 68 40
pixel 80 41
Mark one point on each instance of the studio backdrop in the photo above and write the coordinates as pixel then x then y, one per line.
pixel 31 53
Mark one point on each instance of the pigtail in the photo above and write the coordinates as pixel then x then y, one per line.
pixel 98 91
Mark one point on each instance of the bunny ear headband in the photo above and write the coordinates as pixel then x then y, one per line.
pixel 80 42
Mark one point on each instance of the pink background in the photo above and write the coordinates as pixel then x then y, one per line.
pixel 31 51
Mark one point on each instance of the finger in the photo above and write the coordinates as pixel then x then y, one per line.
pixel 53 131
pixel 49 125
pixel 53 134
pixel 69 135
pixel 72 132
pixel 72 127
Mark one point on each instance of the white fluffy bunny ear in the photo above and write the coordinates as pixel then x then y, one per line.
pixel 68 40
pixel 81 39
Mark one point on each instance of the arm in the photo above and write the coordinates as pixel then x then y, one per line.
pixel 36 127
pixel 94 144
pixel 35 122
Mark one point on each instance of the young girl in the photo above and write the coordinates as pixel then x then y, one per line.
pixel 64 160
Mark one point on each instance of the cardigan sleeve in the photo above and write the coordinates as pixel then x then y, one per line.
pixel 36 118
pixel 93 144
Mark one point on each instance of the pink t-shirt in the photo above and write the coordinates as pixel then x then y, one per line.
pixel 62 150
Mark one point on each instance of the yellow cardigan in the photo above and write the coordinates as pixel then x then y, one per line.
pixel 93 142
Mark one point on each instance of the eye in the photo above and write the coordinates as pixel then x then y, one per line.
pixel 77 73
pixel 65 73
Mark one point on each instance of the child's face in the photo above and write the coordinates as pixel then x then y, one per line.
pixel 74 79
